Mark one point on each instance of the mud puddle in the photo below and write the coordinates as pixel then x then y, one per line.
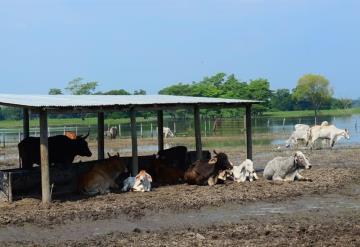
pixel 346 200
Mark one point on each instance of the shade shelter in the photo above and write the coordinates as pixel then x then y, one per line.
pixel 55 104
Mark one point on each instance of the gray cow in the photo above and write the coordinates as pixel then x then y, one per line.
pixel 287 168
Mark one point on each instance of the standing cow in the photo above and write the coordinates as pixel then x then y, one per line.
pixel 112 132
pixel 62 150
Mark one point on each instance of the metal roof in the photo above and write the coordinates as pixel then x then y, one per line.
pixel 108 102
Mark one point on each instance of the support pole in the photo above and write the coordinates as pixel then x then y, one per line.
pixel 248 132
pixel 197 132
pixel 100 140
pixel 26 125
pixel 134 167
pixel 44 155
pixel 160 119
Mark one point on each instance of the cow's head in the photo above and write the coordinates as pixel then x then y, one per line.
pixel 82 147
pixel 301 161
pixel 221 161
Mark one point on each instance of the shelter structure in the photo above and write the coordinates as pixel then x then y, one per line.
pixel 56 104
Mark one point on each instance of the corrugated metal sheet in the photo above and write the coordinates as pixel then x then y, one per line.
pixel 54 101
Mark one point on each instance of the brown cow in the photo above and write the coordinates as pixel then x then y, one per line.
pixel 102 176
pixel 207 172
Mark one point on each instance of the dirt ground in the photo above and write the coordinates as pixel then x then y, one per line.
pixel 332 171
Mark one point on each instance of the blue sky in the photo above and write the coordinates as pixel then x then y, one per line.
pixel 152 44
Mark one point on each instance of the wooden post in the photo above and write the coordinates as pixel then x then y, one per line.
pixel 151 130
pixel 101 151
pixel 197 124
pixel 248 132
pixel 10 194
pixel 160 119
pixel 44 156
pixel 141 130
pixel 119 130
pixel 134 167
pixel 26 125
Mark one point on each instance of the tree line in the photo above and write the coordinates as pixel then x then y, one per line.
pixel 311 92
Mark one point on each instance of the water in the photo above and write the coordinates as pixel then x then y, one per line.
pixel 347 200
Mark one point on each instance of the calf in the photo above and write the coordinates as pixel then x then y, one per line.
pixel 287 168
pixel 142 182
pixel 207 172
pixel 244 171
pixel 102 176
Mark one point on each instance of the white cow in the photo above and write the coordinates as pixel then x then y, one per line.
pixel 167 132
pixel 244 171
pixel 142 182
pixel 287 168
pixel 301 132
pixel 328 132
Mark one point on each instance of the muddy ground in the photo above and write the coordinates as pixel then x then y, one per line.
pixel 332 171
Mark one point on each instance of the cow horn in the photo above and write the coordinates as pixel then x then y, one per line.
pixel 215 152
pixel 86 135
pixel 109 155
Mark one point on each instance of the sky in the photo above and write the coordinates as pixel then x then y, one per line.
pixel 151 44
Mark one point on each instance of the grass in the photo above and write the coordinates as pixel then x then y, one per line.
pixel 7 124
pixel 310 113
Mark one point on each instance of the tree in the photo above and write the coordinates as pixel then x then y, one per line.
pixel 116 92
pixel 314 89
pixel 77 87
pixel 55 91
pixel 281 100
pixel 140 92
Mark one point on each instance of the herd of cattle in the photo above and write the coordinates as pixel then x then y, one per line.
pixel 170 166
pixel 309 135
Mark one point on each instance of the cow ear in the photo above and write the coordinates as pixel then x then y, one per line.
pixel 109 155
pixel 215 152
pixel 213 161
pixel 118 155
pixel 296 157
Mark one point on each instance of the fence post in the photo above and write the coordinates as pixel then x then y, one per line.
pixel 141 130
pixel 4 137
pixel 19 136
pixel 205 128
pixel 151 130
pixel 64 129
pixel 284 124
pixel 119 130
pixel 174 127
pixel 76 130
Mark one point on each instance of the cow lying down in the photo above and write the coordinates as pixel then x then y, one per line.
pixel 244 171
pixel 287 168
pixel 208 172
pixel 142 182
pixel 102 176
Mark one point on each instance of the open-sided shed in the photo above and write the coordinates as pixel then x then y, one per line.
pixel 45 104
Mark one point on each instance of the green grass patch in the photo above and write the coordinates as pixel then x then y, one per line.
pixel 310 113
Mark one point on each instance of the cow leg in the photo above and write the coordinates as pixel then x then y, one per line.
pixel 212 180
pixel 302 178
pixel 277 178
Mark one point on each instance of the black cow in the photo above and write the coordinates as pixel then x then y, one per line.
pixel 62 150
pixel 207 172
pixel 174 157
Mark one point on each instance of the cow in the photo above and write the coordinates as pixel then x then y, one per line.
pixel 101 178
pixel 71 134
pixel 287 168
pixel 112 132
pixel 244 171
pixel 301 132
pixel 62 150
pixel 191 157
pixel 142 182
pixel 165 174
pixel 207 172
pixel 167 132
pixel 174 157
pixel 327 132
